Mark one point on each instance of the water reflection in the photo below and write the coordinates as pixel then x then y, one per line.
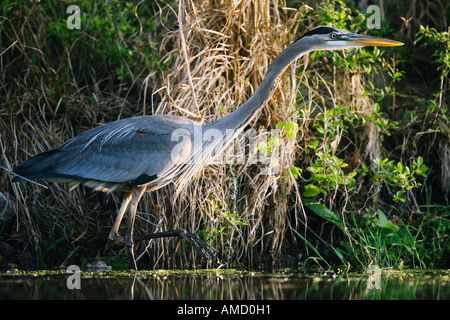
pixel 216 286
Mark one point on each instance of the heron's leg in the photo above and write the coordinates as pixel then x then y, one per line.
pixel 114 233
pixel 136 195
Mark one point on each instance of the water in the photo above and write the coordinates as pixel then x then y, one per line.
pixel 227 285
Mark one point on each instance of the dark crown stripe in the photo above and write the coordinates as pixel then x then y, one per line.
pixel 317 30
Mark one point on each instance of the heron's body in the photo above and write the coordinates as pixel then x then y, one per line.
pixel 145 153
pixel 116 156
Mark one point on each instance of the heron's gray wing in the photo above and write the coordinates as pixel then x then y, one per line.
pixel 120 151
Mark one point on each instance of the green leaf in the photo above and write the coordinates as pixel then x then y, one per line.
pixel 314 144
pixel 295 171
pixel 385 223
pixel 319 128
pixel 422 170
pixel 275 140
pixel 319 177
pixel 265 147
pixel 290 128
pixel 322 211
pixel 312 190
pixel 419 161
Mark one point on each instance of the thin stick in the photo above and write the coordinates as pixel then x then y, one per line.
pixel 7 170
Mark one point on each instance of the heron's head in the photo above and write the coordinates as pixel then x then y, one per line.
pixel 327 38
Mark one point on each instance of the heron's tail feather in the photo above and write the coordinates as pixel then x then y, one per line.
pixel 39 166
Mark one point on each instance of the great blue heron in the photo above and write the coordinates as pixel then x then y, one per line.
pixel 145 153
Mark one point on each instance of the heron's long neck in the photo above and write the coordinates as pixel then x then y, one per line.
pixel 243 115
pixel 206 147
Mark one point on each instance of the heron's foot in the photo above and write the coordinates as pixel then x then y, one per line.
pixel 129 246
pixel 190 237
pixel 113 235
pixel 194 241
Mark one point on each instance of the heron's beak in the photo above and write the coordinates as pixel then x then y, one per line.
pixel 361 40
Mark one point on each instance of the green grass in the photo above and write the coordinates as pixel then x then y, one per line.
pixel 376 240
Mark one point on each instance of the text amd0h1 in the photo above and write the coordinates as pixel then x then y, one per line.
pixel 227 309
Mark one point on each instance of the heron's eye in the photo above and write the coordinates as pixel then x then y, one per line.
pixel 333 35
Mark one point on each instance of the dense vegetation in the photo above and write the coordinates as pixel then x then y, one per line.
pixel 362 141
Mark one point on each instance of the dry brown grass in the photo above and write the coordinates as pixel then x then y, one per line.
pixel 219 58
